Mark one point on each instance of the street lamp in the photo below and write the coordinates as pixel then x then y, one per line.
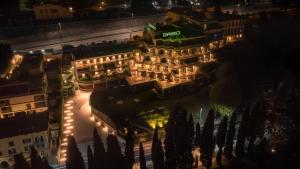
pixel 273 150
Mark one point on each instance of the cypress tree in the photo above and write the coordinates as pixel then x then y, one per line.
pixel 158 157
pixel 90 157
pixel 170 151
pixel 142 157
pixel 198 136
pixel 74 158
pixel 35 160
pixel 154 141
pixel 242 133
pixel 255 127
pixel 208 140
pixel 45 164
pixel 99 151
pixel 191 127
pixel 115 159
pixel 129 152
pixel 184 148
pixel 6 54
pixel 230 137
pixel 183 141
pixel 196 162
pixel 20 162
pixel 221 134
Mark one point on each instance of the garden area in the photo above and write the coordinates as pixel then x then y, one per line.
pixel 143 109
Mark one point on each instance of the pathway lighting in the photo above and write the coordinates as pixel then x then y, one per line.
pixel 105 129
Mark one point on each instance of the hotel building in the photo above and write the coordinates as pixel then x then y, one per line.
pixel 231 26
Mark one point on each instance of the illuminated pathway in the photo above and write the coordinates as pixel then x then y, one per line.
pixel 77 121
pixel 67 127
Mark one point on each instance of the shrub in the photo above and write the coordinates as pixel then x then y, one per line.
pixel 225 96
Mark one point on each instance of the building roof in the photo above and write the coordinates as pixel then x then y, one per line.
pixel 53 66
pixel 226 16
pixel 62 4
pixel 20 88
pixel 21 82
pixel 33 60
pixel 200 16
pixel 205 16
pixel 82 52
pixel 187 29
pixel 23 124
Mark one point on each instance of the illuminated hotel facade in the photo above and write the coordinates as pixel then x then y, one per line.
pixel 172 53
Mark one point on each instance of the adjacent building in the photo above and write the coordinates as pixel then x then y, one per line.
pixel 25 92
pixel 24 117
pixel 230 26
pixel 18 134
pixel 52 11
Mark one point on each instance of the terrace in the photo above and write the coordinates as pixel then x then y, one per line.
pixel 142 109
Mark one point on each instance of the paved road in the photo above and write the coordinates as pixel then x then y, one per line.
pixel 56 44
pixel 79 32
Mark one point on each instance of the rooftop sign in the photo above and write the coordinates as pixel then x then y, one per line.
pixel 175 33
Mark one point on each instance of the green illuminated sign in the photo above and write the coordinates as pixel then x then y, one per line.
pixel 151 26
pixel 176 33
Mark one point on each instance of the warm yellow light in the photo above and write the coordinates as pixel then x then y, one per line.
pixel 63 159
pixel 70 127
pixel 68 104
pixel 70 120
pixel 64 144
pixel 66 118
pixel 92 118
pixel 98 123
pixel 70 114
pixel 67 131
pixel 70 101
pixel 67 124
pixel 105 129
pixel 70 107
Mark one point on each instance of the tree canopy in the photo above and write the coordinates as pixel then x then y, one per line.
pixel 6 55
pixel 225 96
